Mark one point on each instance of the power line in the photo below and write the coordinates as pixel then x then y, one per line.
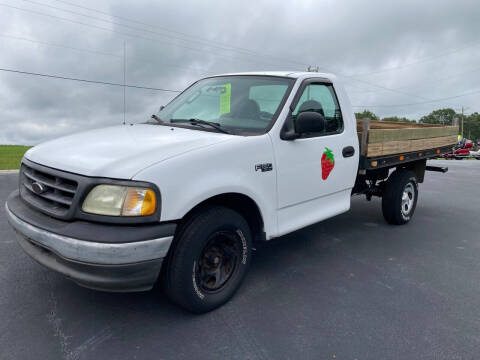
pixel 375 85
pixel 156 40
pixel 124 33
pixel 177 91
pixel 423 83
pixel 253 52
pixel 87 81
pixel 145 38
pixel 387 89
pixel 419 103
pixel 197 70
pixel 108 21
pixel 59 45
pixel 428 100
pixel 419 61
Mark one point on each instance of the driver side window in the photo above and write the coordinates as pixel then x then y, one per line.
pixel 321 98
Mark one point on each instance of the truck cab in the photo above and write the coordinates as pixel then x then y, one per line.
pixel 179 199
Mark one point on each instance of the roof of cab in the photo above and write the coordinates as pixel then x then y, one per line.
pixel 290 74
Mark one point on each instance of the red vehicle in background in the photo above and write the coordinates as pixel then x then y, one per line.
pixel 462 150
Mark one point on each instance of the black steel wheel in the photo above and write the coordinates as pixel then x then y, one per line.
pixel 208 260
pixel 400 197
pixel 218 260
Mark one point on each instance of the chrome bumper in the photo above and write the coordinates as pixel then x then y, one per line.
pixel 92 252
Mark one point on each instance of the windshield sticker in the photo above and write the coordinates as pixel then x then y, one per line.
pixel 225 99
pixel 328 162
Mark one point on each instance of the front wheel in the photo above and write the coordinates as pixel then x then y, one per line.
pixel 210 258
pixel 400 197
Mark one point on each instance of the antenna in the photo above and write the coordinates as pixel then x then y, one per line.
pixel 124 79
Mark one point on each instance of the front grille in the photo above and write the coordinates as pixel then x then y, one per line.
pixel 48 190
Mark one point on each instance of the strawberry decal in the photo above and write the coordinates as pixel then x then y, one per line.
pixel 328 162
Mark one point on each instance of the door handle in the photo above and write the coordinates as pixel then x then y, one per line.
pixel 348 151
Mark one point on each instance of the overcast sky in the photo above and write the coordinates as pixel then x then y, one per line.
pixel 420 50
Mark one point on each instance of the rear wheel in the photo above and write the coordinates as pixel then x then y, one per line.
pixel 400 197
pixel 210 258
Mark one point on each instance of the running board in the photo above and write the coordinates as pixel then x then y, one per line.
pixel 442 169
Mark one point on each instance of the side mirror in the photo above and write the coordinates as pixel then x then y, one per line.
pixel 305 123
pixel 309 122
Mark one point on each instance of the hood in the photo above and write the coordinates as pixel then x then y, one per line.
pixel 120 151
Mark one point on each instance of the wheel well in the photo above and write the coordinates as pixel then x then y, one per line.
pixel 240 203
pixel 418 167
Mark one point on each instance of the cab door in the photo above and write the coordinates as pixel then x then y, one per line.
pixel 316 171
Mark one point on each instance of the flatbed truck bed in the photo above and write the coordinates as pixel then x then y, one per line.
pixel 387 144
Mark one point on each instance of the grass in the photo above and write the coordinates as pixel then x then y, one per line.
pixel 11 155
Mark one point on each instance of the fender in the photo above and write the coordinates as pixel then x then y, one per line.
pixel 190 179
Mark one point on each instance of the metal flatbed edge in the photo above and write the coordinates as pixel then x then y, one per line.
pixel 394 160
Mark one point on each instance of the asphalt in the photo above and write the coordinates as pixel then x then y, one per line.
pixel 351 287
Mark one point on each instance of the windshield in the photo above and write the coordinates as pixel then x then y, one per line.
pixel 238 104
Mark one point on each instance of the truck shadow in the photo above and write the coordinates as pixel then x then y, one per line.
pixel 310 270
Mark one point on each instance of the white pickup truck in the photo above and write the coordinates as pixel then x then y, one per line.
pixel 233 159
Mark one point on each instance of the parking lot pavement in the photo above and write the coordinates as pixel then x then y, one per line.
pixel 351 287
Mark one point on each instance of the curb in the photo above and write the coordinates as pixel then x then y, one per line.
pixel 4 172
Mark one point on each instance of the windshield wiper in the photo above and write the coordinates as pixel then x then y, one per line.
pixel 157 118
pixel 214 125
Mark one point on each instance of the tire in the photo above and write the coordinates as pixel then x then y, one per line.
pixel 398 210
pixel 211 255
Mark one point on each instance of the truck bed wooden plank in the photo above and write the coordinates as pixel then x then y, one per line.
pixel 375 124
pixel 385 135
pixel 389 138
pixel 404 146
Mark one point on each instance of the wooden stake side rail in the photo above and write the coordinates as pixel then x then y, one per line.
pixel 379 138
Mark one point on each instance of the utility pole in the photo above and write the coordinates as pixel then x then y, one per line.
pixel 462 126
pixel 461 132
pixel 124 80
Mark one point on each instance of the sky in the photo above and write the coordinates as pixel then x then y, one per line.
pixel 394 57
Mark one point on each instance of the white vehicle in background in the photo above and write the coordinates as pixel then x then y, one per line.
pixel 231 160
pixel 475 154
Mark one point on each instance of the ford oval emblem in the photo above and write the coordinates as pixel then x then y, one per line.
pixel 38 188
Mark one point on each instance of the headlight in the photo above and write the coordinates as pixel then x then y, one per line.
pixel 115 200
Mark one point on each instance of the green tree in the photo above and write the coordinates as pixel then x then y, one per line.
pixel 471 126
pixel 440 116
pixel 366 114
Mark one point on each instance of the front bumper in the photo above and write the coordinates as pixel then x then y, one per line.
pixel 132 265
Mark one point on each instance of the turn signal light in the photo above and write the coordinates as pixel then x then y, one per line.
pixel 139 202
